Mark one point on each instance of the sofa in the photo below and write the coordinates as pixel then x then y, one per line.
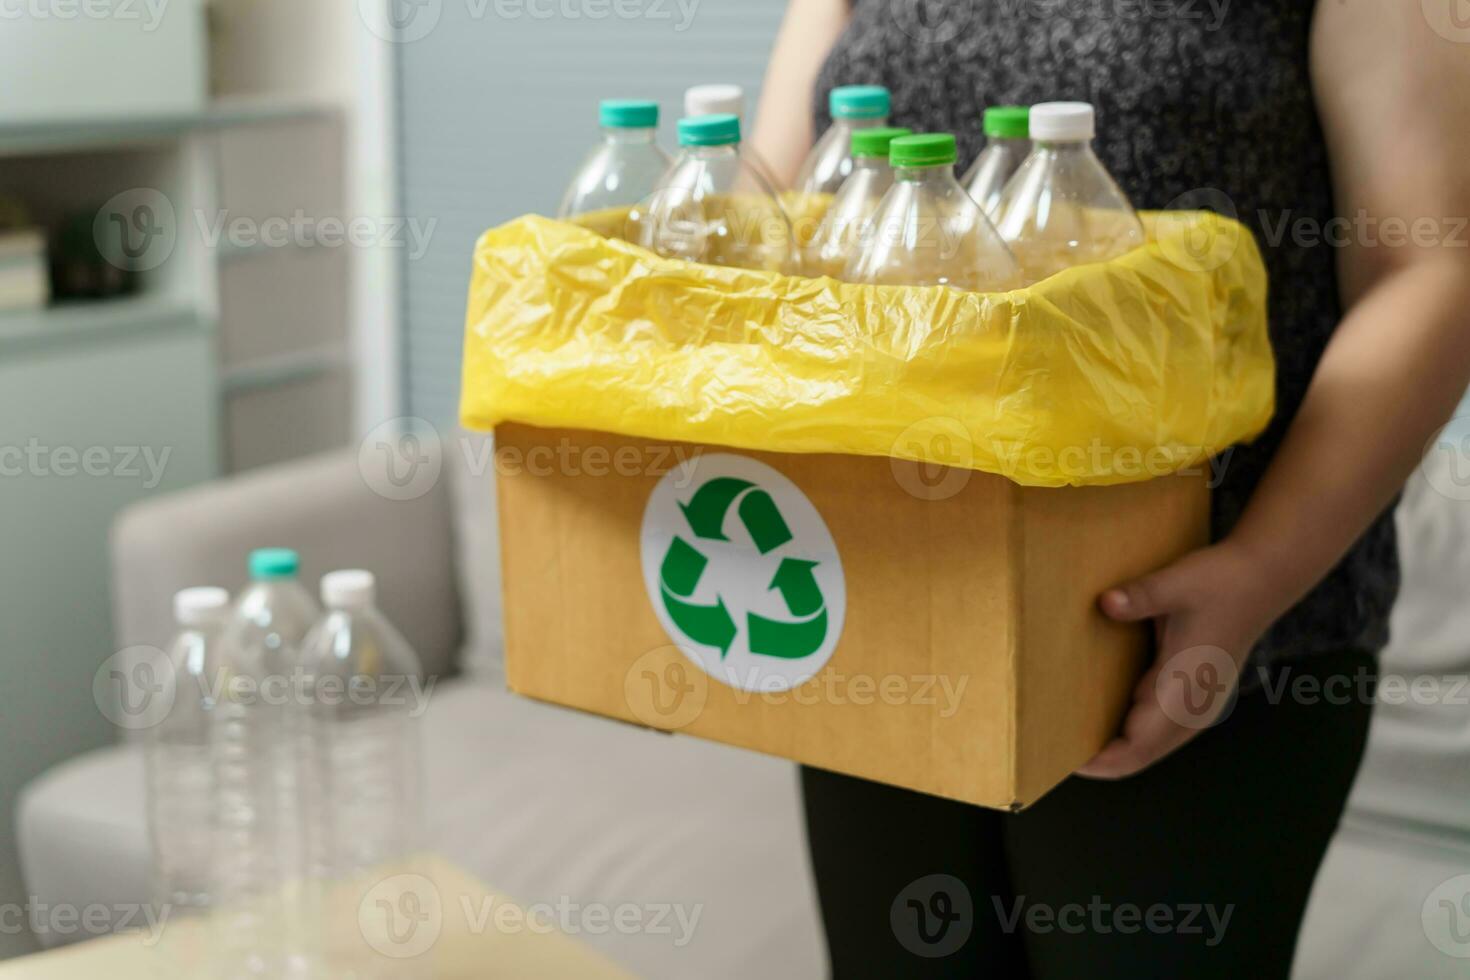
pixel 550 805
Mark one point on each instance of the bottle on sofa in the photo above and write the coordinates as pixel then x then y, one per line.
pixel 177 756
pixel 363 675
pixel 257 739
pixel 364 753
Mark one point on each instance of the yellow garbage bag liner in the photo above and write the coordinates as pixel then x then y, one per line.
pixel 1106 373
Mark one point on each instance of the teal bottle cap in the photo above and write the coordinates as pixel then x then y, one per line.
pixel 628 113
pixel 721 129
pixel 859 102
pixel 266 563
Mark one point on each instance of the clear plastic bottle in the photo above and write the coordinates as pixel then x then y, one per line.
pixel 1007 144
pixel 716 98
pixel 364 752
pixel 623 169
pixel 838 235
pixel 260 818
pixel 179 771
pixel 927 230
pixel 1062 208
pixel 713 206
pixel 853 107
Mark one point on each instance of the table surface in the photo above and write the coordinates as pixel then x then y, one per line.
pixel 424 918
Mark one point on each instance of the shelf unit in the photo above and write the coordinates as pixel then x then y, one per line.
pixel 225 356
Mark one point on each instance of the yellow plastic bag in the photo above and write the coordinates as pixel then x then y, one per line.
pixel 1107 373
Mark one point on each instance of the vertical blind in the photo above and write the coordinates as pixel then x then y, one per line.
pixel 497 105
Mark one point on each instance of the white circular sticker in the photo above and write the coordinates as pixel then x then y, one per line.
pixel 742 572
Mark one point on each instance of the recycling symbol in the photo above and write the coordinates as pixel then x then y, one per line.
pixel 742 572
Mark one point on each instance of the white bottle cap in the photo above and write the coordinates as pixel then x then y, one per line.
pixel 349 587
pixel 709 100
pixel 1064 121
pixel 196 606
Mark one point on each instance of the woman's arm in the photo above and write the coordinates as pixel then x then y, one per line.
pixel 1391 94
pixel 783 126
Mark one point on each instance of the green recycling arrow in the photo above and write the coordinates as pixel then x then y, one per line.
pixel 798 586
pixel 683 565
pixel 708 625
pixel 797 583
pixel 764 522
pixel 706 509
pixel 789 641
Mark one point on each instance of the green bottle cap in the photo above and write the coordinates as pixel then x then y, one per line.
pixel 1009 122
pixel 267 563
pixel 874 142
pixel 628 113
pixel 721 129
pixel 858 102
pixel 923 150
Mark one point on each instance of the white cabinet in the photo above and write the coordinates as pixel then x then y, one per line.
pixel 96 59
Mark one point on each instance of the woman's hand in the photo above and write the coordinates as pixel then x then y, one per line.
pixel 1209 609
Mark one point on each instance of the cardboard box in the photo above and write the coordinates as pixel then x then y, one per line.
pixel 935 629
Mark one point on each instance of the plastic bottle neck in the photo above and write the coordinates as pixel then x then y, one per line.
pixel 870 163
pixel 623 136
pixel 870 122
pixel 1062 148
pixel 713 152
pixel 936 173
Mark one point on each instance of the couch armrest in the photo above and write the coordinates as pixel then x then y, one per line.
pixel 322 507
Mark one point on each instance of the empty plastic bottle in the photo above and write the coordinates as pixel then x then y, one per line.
pixel 927 230
pixel 1062 208
pixel 718 98
pixel 838 236
pixel 179 771
pixel 714 206
pixel 364 678
pixel 623 169
pixel 260 817
pixel 853 107
pixel 1007 144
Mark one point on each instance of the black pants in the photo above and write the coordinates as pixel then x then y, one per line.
pixel 1198 867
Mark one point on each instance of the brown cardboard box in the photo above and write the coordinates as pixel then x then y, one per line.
pixel 967 656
